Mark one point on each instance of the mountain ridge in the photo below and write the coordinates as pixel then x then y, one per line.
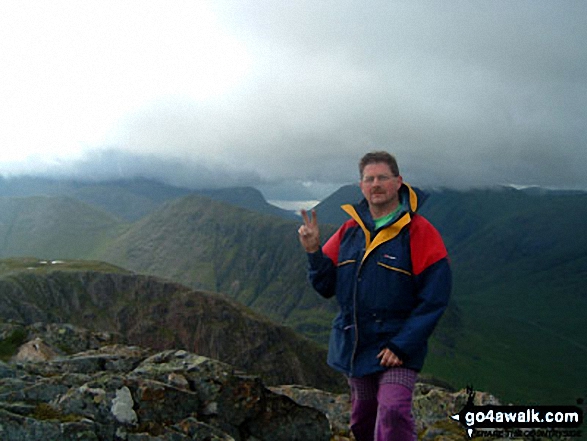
pixel 204 244
pixel 132 199
pixel 160 314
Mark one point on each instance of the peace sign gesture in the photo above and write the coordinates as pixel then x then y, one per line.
pixel 309 232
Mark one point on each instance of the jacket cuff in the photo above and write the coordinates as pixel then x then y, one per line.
pixel 397 351
pixel 315 258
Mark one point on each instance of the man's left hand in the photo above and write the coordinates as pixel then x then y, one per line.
pixel 389 359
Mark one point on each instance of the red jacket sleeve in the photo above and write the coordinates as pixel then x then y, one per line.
pixel 332 245
pixel 427 246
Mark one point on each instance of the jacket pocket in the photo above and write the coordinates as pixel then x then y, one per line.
pixel 394 268
pixel 346 262
pixel 342 342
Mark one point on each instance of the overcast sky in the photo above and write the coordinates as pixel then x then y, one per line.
pixel 274 93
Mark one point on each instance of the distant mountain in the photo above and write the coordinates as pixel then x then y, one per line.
pixel 131 199
pixel 248 198
pixel 160 314
pixel 53 227
pixel 536 189
pixel 128 199
pixel 329 211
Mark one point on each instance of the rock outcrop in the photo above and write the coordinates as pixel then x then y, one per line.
pixel 111 391
pixel 432 407
pixel 121 392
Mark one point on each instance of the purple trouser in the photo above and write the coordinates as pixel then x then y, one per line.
pixel 382 410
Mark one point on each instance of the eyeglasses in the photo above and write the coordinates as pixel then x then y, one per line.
pixel 380 178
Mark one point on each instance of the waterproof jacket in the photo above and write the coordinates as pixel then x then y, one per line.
pixel 392 285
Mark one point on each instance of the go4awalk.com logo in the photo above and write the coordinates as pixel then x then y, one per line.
pixel 507 421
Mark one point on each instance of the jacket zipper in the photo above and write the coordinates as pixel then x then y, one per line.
pixel 355 317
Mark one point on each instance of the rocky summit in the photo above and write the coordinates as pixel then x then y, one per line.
pixel 118 392
pixel 111 391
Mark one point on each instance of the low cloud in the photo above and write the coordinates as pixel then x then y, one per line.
pixel 467 94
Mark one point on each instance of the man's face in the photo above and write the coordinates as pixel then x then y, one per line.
pixel 380 187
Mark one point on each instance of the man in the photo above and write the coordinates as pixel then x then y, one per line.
pixel 389 270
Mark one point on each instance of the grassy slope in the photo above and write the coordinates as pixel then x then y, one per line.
pixel 42 267
pixel 53 227
pixel 519 279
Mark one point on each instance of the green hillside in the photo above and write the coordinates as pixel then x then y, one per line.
pixel 12 266
pixel 53 227
pixel 521 282
pixel 205 244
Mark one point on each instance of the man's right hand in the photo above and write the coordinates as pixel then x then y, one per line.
pixel 309 232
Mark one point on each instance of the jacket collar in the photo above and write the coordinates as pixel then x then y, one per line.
pixel 411 200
